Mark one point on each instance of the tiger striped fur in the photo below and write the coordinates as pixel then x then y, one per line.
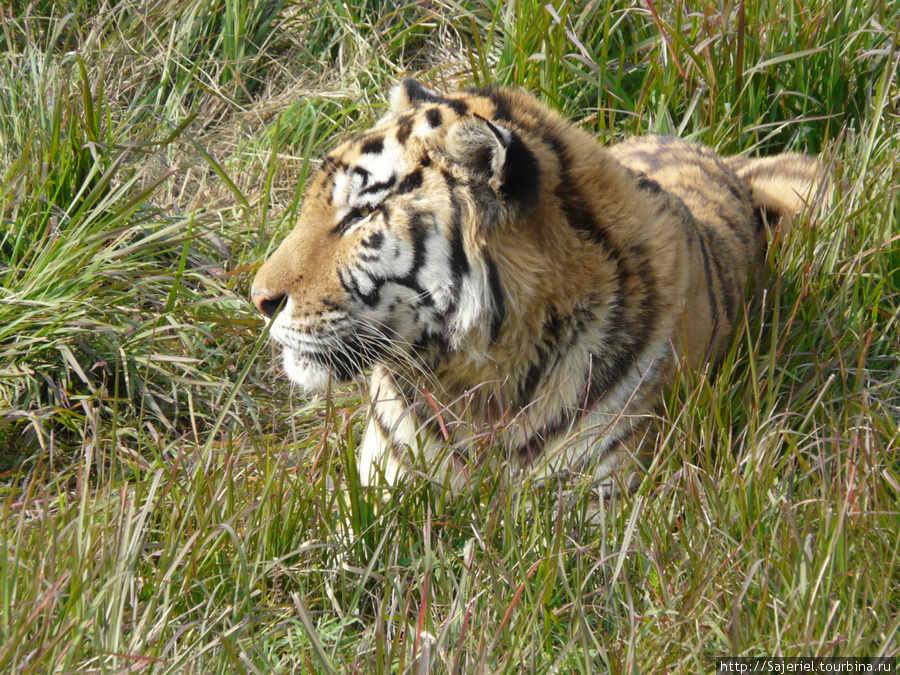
pixel 521 294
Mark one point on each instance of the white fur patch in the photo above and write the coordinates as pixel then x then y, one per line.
pixel 311 377
pixel 475 303
pixel 349 185
pixel 382 165
pixel 349 191
pixel 435 275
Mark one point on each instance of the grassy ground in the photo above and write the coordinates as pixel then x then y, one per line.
pixel 167 505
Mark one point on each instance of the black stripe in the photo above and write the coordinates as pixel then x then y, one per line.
pixel 373 146
pixel 397 450
pixel 404 129
pixel 713 302
pixel 449 178
pixel 654 161
pixel 633 319
pixel 725 274
pixel 649 185
pixel 501 104
pixel 573 203
pixel 362 173
pixel 536 442
pixel 737 193
pixel 412 181
pixel 458 106
pixel 418 228
pixel 574 207
pixel 374 240
pixel 541 361
pixel 370 299
pixel 379 187
pixel 459 261
pixel 433 115
pixel 738 230
pixel 498 297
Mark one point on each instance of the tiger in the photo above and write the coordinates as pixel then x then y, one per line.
pixel 520 296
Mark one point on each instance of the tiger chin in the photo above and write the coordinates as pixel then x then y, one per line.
pixel 518 294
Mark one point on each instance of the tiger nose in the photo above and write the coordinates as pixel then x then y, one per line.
pixel 267 304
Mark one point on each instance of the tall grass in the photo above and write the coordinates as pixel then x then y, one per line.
pixel 169 505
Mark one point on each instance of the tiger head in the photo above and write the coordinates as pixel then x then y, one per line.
pixel 388 261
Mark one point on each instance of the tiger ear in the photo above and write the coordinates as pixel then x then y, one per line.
pixel 409 93
pixel 500 155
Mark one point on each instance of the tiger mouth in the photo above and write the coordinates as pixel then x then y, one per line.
pixel 312 362
pixel 339 367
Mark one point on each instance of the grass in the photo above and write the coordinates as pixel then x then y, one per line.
pixel 168 504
